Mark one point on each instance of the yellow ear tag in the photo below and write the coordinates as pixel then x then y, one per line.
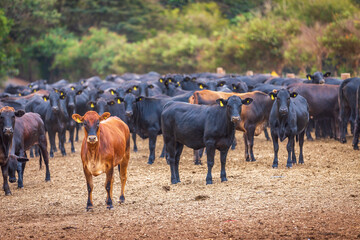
pixel 272 97
pixel 234 87
pixel 201 86
pixel 135 88
pixel 161 80
pixel 78 120
pixel 178 84
pixel 20 94
pixel 309 77
pixel 169 80
pixel 92 105
pixel 45 99
pixel 118 101
pixel 34 90
pixel 56 91
pixel 61 93
pixel 112 92
pixel 221 104
pixel 30 86
pixel 72 88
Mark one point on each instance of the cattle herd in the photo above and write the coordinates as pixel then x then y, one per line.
pixel 201 111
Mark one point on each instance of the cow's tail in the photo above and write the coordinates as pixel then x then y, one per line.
pixel 40 159
pixel 341 97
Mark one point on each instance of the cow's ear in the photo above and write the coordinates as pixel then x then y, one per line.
pixel 72 88
pixel 135 87
pixel 77 118
pixel 111 103
pixel 112 91
pixel 129 90
pixel 79 92
pixel 193 79
pixel 19 113
pixel 139 99
pixel 221 102
pixel 119 100
pixel 293 94
pixel 247 101
pixel 327 74
pixel 308 77
pixel 201 86
pixel 151 86
pixel 56 90
pixel 100 91
pixel 161 80
pixel 105 116
pixel 273 95
pixel 45 98
pixel 234 86
pixel 186 79
pixel 62 96
pixel 92 104
pixel 178 84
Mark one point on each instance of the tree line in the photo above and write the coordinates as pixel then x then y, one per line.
pixel 54 39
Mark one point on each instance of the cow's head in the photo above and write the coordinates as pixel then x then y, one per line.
pixel 130 101
pixel 282 98
pixel 318 77
pixel 239 87
pixel 7 120
pixel 91 121
pixel 233 105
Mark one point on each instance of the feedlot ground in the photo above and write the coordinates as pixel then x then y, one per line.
pixel 317 200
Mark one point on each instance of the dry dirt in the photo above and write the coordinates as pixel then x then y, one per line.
pixel 317 200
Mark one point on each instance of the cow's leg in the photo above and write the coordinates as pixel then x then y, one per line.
pixel 289 149
pixel 62 139
pixel 109 187
pixel 71 133
pixel 223 155
pixel 179 149
pixel 123 173
pixel 78 126
pixel 247 156
pixel 6 187
pixel 293 156
pixel 133 135
pixel 234 143
pixel 197 159
pixel 344 119
pixel 152 144
pixel 52 142
pixel 276 149
pixel 163 151
pixel 36 150
pixel 317 124
pixel 32 151
pixel 20 171
pixel 210 152
pixel 170 157
pixel 266 134
pixel 301 144
pixel 45 154
pixel 308 130
pixel 90 187
pixel 250 136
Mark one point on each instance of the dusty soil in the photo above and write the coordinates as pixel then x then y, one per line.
pixel 317 200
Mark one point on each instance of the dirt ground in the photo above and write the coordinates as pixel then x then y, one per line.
pixel 317 200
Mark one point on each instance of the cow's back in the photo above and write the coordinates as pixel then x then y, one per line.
pixel 114 138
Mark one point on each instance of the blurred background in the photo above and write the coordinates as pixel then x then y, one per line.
pixel 74 39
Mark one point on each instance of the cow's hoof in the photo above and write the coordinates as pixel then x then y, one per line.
pixel 274 166
pixel 89 208
pixel 122 199
pixel 12 180
pixel 355 147
pixel 135 149
pixel 174 181
pixel 109 207
pixel 288 165
pixel 310 139
pixel 247 159
pixel 150 163
pixel 223 179
pixel 20 187
pixel 209 182
pixel 197 163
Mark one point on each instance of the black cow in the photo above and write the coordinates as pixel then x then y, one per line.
pixel 199 126
pixel 29 130
pixel 7 125
pixel 347 105
pixel 54 116
pixel 145 114
pixel 289 117
pixel 318 77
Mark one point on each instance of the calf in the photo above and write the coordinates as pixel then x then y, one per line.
pixel 28 131
pixel 106 144
pixel 289 117
pixel 197 127
pixel 7 125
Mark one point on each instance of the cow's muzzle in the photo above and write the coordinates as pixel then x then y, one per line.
pixel 55 109
pixel 9 131
pixel 92 139
pixel 128 113
pixel 235 119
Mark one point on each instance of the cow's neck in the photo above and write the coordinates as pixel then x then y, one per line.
pixel 93 150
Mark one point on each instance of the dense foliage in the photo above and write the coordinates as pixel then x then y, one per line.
pixel 53 39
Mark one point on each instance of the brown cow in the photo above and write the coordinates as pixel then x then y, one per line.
pixel 253 116
pixel 106 144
